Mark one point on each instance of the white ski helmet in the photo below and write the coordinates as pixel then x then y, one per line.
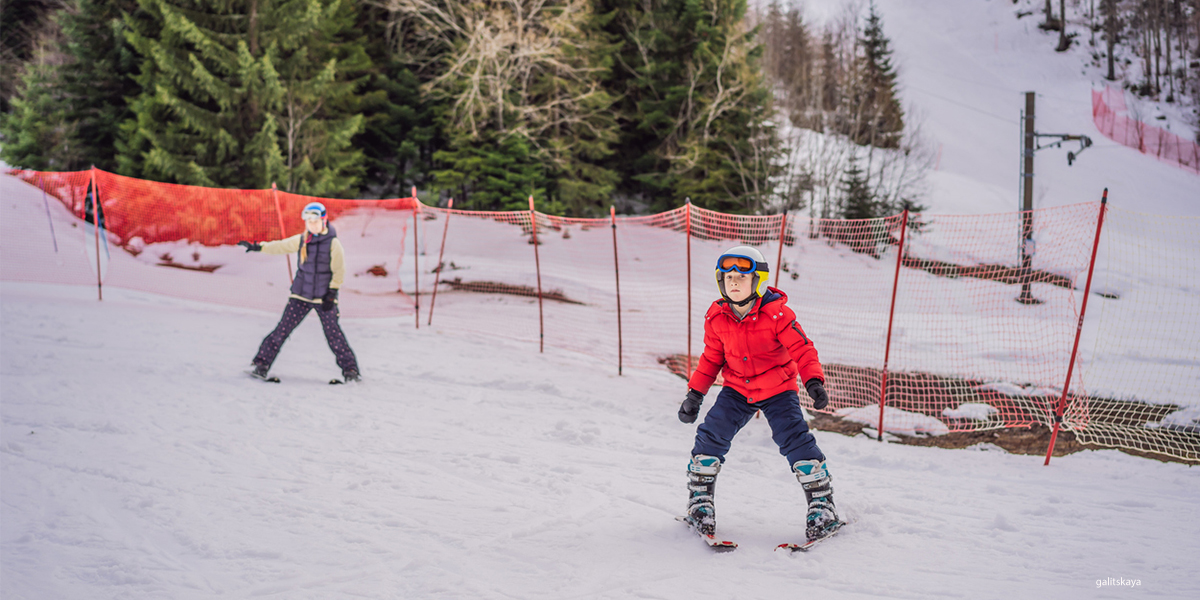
pixel 743 259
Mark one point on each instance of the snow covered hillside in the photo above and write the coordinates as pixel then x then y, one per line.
pixel 139 462
pixel 964 67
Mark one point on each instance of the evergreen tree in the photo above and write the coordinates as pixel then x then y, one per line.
pixel 694 108
pixel 401 131
pixel 98 77
pixel 37 133
pixel 25 26
pixel 878 119
pixel 578 131
pixel 831 76
pixel 858 201
pixel 321 111
pixel 244 93
pixel 493 171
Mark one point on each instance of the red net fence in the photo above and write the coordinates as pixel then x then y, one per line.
pixel 1110 114
pixel 953 322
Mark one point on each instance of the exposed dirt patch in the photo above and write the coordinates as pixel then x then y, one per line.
pixel 166 260
pixel 490 287
pixel 1000 273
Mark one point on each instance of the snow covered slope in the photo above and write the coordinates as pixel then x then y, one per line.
pixel 136 461
pixel 139 462
pixel 964 67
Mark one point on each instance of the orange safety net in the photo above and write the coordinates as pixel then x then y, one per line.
pixel 971 326
pixel 1110 114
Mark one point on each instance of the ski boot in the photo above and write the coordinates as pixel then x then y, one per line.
pixel 822 518
pixel 351 376
pixel 259 371
pixel 702 480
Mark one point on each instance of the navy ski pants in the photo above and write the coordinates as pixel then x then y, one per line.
pixel 731 412
pixel 292 315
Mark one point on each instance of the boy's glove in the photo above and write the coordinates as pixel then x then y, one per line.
pixel 817 392
pixel 250 247
pixel 691 406
pixel 327 302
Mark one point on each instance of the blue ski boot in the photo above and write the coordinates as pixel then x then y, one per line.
pixel 702 480
pixel 822 518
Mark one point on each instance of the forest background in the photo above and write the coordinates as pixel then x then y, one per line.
pixel 581 103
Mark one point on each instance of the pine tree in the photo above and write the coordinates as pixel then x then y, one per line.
pixel 245 93
pixel 25 26
pixel 858 200
pixel 321 111
pixel 878 121
pixel 860 204
pixel 831 76
pixel 493 171
pixel 401 131
pixel 37 133
pixel 694 108
pixel 577 134
pixel 98 77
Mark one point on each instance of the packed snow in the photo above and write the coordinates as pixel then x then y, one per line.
pixel 970 410
pixel 139 461
pixel 895 420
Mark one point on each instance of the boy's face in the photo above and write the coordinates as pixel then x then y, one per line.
pixel 738 286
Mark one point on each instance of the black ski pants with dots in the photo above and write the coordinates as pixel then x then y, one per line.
pixel 292 315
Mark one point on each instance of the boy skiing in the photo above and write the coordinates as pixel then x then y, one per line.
pixel 752 336
pixel 319 274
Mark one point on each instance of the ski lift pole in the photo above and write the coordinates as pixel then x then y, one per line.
pixel 1087 289
pixel 438 274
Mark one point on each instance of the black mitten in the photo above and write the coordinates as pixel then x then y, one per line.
pixel 817 392
pixel 691 406
pixel 250 247
pixel 327 302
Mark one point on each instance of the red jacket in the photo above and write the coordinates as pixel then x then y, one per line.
pixel 761 354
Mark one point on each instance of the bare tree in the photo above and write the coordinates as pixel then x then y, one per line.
pixel 489 53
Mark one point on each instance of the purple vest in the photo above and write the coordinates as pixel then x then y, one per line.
pixel 314 274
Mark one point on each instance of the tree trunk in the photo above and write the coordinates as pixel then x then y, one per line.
pixel 1062 29
pixel 1110 27
pixel 1167 23
pixel 1092 26
pixel 253 33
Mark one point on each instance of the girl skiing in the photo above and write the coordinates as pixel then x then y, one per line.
pixel 752 336
pixel 319 274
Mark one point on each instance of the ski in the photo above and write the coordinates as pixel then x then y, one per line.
pixel 270 379
pixel 713 542
pixel 813 542
pixel 336 381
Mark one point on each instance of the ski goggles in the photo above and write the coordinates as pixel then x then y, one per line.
pixel 314 211
pixel 741 264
